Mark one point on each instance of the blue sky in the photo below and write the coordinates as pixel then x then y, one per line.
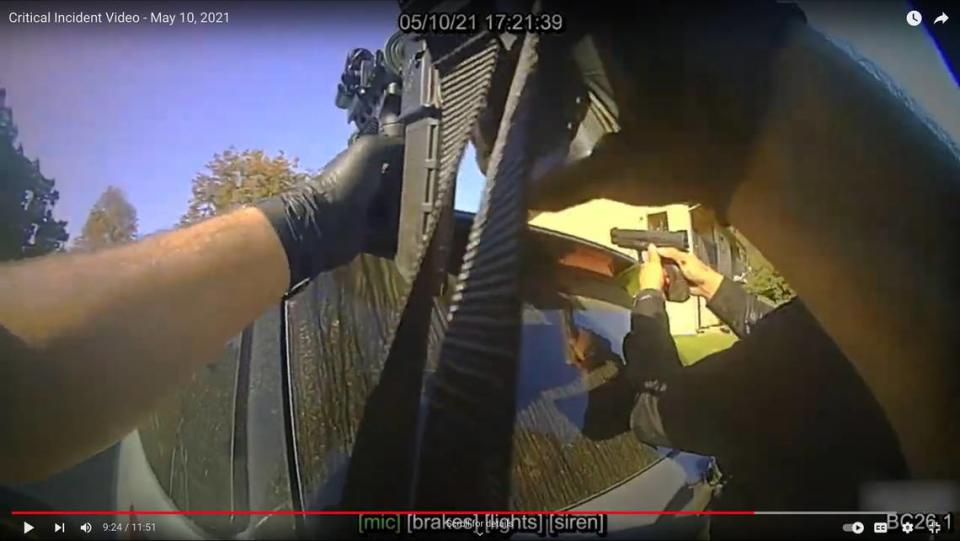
pixel 145 107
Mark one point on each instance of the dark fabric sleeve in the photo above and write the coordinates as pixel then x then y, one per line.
pixel 786 415
pixel 651 360
pixel 648 349
pixel 736 308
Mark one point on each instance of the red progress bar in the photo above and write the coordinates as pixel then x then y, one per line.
pixel 357 513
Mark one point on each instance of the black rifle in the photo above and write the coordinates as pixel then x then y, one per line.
pixel 394 92
pixel 529 102
pixel 678 290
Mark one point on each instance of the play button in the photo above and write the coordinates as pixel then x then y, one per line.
pixel 27 527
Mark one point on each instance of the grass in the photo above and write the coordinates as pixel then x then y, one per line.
pixel 692 348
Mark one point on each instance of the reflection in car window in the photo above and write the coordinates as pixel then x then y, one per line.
pixel 338 329
pixel 571 438
pixel 267 468
pixel 188 440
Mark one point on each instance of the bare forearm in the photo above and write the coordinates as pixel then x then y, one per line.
pixel 865 197
pixel 102 337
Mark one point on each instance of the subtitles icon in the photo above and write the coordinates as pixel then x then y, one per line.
pixel 879 527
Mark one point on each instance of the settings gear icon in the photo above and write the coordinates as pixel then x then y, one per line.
pixel 906 527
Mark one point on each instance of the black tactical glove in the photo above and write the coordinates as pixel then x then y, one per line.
pixel 324 224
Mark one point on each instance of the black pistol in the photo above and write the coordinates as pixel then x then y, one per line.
pixel 678 290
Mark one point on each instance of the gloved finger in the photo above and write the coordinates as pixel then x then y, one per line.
pixel 355 174
pixel 382 154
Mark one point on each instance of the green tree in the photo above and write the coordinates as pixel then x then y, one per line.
pixel 762 278
pixel 233 179
pixel 112 220
pixel 27 198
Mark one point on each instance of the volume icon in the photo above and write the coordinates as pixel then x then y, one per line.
pixel 86 527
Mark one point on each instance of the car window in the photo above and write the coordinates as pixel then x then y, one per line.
pixel 212 448
pixel 338 329
pixel 571 436
pixel 267 457
pixel 188 441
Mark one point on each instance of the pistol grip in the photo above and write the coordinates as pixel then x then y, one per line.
pixel 678 290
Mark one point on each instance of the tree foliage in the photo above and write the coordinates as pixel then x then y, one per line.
pixel 112 220
pixel 761 278
pixel 233 179
pixel 27 198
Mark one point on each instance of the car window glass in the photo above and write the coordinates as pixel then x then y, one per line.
pixel 267 467
pixel 188 441
pixel 571 437
pixel 338 330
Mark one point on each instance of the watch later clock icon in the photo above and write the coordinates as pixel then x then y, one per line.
pixel 914 18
